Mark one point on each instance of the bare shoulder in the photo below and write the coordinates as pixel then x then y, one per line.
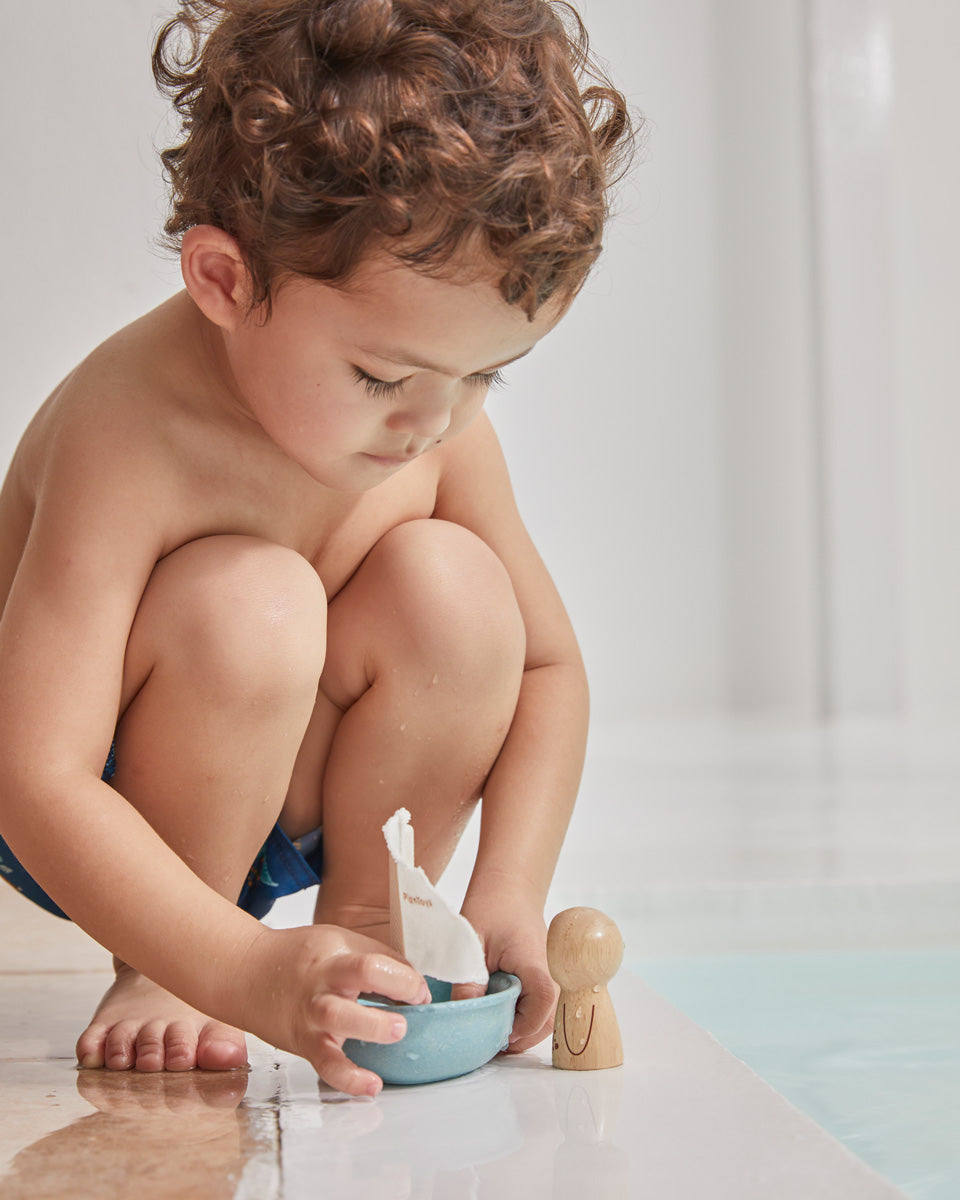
pixel 85 514
pixel 92 459
pixel 107 474
pixel 99 441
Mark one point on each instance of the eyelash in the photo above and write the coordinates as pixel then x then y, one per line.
pixel 387 387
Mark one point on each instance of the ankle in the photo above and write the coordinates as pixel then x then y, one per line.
pixel 372 920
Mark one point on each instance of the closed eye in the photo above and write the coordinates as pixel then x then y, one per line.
pixel 387 387
pixel 487 379
pixel 377 387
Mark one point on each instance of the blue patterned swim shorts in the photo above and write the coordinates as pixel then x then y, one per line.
pixel 281 868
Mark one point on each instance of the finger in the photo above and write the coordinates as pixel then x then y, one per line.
pixel 519 1044
pixel 340 1018
pixel 467 991
pixel 536 1009
pixel 334 1068
pixel 364 974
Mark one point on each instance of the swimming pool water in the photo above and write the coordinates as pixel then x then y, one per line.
pixel 866 1043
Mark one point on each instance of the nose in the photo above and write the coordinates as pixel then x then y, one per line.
pixel 427 415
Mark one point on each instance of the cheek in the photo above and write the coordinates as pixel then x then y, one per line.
pixel 292 397
pixel 469 409
pixel 263 377
pixel 314 417
pixel 286 396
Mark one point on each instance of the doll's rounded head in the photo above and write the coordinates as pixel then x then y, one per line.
pixel 584 948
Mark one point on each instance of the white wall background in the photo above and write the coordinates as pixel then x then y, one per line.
pixel 737 453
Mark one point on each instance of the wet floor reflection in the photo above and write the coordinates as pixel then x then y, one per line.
pixel 515 1128
pixel 150 1135
pixel 589 1160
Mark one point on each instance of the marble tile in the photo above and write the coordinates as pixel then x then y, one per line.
pixel 681 1118
pixel 33 940
pixel 110 1136
pixel 41 1015
pixel 716 837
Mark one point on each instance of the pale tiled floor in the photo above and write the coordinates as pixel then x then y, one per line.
pixel 728 837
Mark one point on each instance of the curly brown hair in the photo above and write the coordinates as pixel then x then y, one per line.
pixel 316 130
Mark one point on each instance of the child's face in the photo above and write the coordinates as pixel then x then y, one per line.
pixel 355 382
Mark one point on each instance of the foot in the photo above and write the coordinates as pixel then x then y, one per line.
pixel 139 1025
pixel 372 922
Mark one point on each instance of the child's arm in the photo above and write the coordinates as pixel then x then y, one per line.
pixel 531 791
pixel 96 535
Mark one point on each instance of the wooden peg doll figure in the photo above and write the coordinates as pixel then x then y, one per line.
pixel 584 952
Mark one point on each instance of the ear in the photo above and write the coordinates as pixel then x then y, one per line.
pixel 216 275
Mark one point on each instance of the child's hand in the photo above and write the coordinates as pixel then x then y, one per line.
pixel 302 997
pixel 514 936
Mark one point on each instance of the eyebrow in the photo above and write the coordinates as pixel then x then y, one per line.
pixel 403 358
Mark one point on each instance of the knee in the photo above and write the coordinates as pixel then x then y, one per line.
pixel 246 617
pixel 452 593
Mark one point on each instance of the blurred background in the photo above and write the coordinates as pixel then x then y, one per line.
pixel 737 453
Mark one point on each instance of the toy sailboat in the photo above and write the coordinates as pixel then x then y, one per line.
pixel 423 928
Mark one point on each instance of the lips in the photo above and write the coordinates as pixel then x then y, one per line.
pixel 392 460
pixel 399 457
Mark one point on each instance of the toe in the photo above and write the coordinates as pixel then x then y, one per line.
pixel 119 1048
pixel 150 1052
pixel 180 1046
pixel 90 1046
pixel 221 1048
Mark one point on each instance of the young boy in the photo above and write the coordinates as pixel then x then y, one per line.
pixel 259 552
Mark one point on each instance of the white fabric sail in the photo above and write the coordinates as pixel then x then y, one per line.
pixel 423 928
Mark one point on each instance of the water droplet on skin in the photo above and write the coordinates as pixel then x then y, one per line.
pixel 596 987
pixel 402 728
pixel 579 1013
pixel 435 680
pixel 583 1041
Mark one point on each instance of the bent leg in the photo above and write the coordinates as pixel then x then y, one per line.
pixel 220 679
pixel 425 660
